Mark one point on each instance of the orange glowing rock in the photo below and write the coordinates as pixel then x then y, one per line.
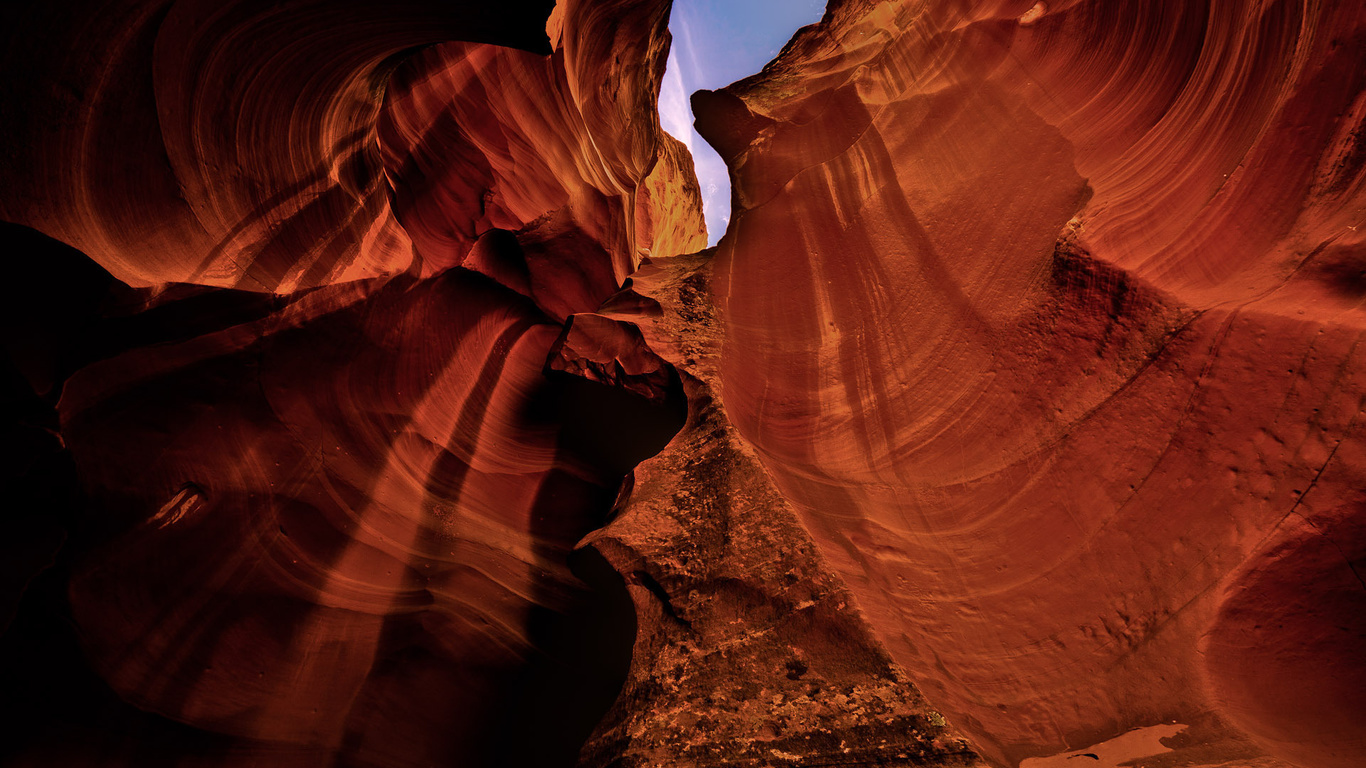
pixel 1043 322
pixel 392 419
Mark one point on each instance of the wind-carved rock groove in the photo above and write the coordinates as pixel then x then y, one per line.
pixel 390 412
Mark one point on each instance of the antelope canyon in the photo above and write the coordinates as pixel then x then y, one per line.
pixel 378 394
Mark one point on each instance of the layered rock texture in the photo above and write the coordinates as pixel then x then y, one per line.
pixel 370 400
pixel 1045 319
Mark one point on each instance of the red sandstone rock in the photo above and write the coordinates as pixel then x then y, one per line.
pixel 337 525
pixel 227 144
pixel 748 650
pixel 1040 318
pixel 611 353
pixel 477 138
pixel 1027 379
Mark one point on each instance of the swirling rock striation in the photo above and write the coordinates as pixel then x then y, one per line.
pixel 1041 316
pixel 227 144
pixel 333 466
pixel 1025 386
pixel 748 650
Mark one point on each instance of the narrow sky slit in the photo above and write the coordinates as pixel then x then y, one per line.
pixel 715 43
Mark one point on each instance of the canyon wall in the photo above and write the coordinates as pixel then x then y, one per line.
pixel 1046 319
pixel 371 400
pixel 329 384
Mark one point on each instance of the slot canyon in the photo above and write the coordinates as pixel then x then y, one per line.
pixel 378 397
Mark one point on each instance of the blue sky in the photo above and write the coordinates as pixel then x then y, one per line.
pixel 715 43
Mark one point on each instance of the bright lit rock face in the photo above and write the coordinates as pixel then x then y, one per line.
pixel 375 404
pixel 227 144
pixel 1047 321
pixel 328 511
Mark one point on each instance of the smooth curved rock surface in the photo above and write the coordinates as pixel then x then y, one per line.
pixel 228 144
pixel 560 151
pixel 1284 654
pixel 748 650
pixel 1040 316
pixel 377 420
pixel 327 514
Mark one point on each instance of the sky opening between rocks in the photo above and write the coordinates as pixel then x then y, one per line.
pixel 715 43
